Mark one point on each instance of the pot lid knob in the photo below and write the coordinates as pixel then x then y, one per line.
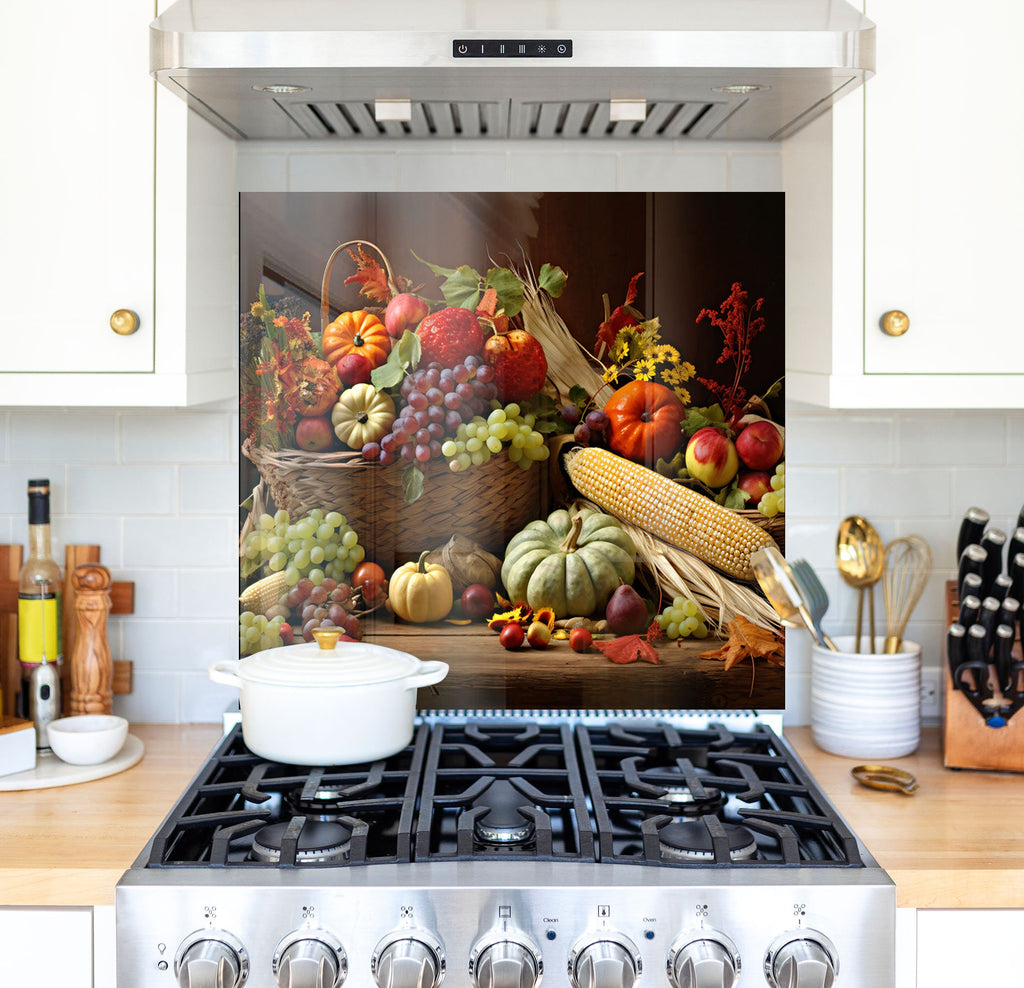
pixel 327 638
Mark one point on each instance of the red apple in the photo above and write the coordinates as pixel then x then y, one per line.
pixel 314 434
pixel 404 312
pixel 477 601
pixel 761 444
pixel 512 636
pixel 711 457
pixel 755 483
pixel 353 368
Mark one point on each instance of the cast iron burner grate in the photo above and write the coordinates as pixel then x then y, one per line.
pixel 638 792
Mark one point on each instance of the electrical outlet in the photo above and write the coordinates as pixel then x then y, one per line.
pixel 931 694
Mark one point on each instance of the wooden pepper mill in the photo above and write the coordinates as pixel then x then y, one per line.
pixel 92 669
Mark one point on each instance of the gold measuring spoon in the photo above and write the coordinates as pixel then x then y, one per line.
pixel 860 559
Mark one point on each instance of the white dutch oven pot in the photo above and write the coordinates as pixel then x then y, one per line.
pixel 334 703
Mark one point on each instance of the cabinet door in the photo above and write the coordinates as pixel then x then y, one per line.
pixel 944 208
pixel 968 947
pixel 43 946
pixel 77 190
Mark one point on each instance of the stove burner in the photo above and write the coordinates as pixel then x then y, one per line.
pixel 682 801
pixel 503 823
pixel 691 841
pixel 319 843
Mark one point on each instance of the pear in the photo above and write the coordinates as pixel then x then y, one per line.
pixel 626 612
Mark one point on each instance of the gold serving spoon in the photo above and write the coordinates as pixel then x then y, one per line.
pixel 860 559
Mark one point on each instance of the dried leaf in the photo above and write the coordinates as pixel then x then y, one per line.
pixel 628 649
pixel 619 318
pixel 748 641
pixel 370 275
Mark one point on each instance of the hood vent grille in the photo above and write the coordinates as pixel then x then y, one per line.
pixel 573 119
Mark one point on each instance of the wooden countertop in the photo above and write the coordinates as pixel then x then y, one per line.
pixel 958 843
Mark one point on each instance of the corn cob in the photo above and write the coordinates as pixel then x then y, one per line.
pixel 673 513
pixel 263 593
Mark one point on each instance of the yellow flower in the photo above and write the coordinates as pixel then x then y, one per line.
pixel 665 353
pixel 683 395
pixel 257 310
pixel 621 350
pixel 610 373
pixel 645 369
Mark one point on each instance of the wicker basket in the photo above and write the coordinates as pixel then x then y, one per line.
pixel 487 504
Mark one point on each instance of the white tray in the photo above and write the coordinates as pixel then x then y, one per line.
pixel 50 771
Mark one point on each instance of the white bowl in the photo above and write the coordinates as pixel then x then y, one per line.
pixel 88 739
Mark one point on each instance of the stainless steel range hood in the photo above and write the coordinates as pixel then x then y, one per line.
pixel 395 69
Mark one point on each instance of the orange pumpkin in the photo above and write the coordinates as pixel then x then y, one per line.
pixel 644 420
pixel 356 332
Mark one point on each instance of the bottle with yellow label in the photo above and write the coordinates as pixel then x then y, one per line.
pixel 39 591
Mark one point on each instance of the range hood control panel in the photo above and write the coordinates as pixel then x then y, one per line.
pixel 512 48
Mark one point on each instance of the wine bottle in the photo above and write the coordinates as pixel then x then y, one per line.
pixel 39 593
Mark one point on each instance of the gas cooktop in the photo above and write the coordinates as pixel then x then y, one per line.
pixel 634 793
pixel 493 852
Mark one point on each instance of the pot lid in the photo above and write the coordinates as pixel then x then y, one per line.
pixel 346 664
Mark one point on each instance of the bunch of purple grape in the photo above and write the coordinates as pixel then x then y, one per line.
pixel 592 431
pixel 436 400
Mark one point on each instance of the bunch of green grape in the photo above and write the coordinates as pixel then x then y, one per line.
pixel 682 619
pixel 773 502
pixel 257 632
pixel 318 546
pixel 478 439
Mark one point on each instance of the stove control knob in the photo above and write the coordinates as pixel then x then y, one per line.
pixel 211 959
pixel 705 960
pixel 606 960
pixel 310 959
pixel 505 961
pixel 801 959
pixel 408 959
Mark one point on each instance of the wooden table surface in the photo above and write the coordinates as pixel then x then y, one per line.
pixel 958 843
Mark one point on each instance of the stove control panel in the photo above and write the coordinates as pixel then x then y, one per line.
pixel 709 960
pixel 801 959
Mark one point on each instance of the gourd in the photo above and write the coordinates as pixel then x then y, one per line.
pixel 570 562
pixel 421 591
pixel 356 332
pixel 644 420
pixel 362 415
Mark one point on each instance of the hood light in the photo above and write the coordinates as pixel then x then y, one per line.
pixel 279 89
pixel 741 89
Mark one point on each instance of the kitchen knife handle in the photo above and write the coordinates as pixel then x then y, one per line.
pixel 1016 570
pixel 1001 586
pixel 955 650
pixel 993 542
pixel 970 608
pixel 988 619
pixel 973 524
pixel 1009 612
pixel 977 662
pixel 1004 645
pixel 972 560
pixel 1016 545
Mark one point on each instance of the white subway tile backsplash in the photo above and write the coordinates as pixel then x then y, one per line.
pixel 207 593
pixel 999 490
pixel 173 644
pixel 167 437
pixel 101 530
pixel 205 490
pixel 645 171
pixel 896 493
pixel 203 701
pixel 837 440
pixel 811 492
pixel 170 541
pixel 155 698
pixel 345 172
pixel 926 440
pixel 123 490
pixel 85 436
pixel 156 591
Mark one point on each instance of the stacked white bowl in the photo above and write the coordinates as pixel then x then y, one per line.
pixel 866 705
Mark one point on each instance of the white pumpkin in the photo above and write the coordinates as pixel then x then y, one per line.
pixel 362 415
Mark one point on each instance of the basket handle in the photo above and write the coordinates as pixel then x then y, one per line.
pixel 325 285
pixel 258 508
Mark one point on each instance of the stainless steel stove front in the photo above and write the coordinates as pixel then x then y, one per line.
pixel 484 924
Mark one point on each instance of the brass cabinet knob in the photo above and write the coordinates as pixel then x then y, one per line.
pixel 895 323
pixel 124 322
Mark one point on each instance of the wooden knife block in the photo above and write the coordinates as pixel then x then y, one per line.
pixel 967 741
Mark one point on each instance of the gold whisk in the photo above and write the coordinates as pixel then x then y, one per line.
pixel 908 564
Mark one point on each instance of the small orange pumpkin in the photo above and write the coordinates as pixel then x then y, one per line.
pixel 356 332
pixel 644 420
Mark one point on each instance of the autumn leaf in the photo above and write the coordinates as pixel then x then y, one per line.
pixel 622 316
pixel 748 641
pixel 628 649
pixel 370 275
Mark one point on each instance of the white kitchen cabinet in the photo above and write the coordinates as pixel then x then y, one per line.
pixel 99 216
pixel 47 946
pixel 968 947
pixel 906 197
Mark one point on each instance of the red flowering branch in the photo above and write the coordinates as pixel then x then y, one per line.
pixel 739 325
